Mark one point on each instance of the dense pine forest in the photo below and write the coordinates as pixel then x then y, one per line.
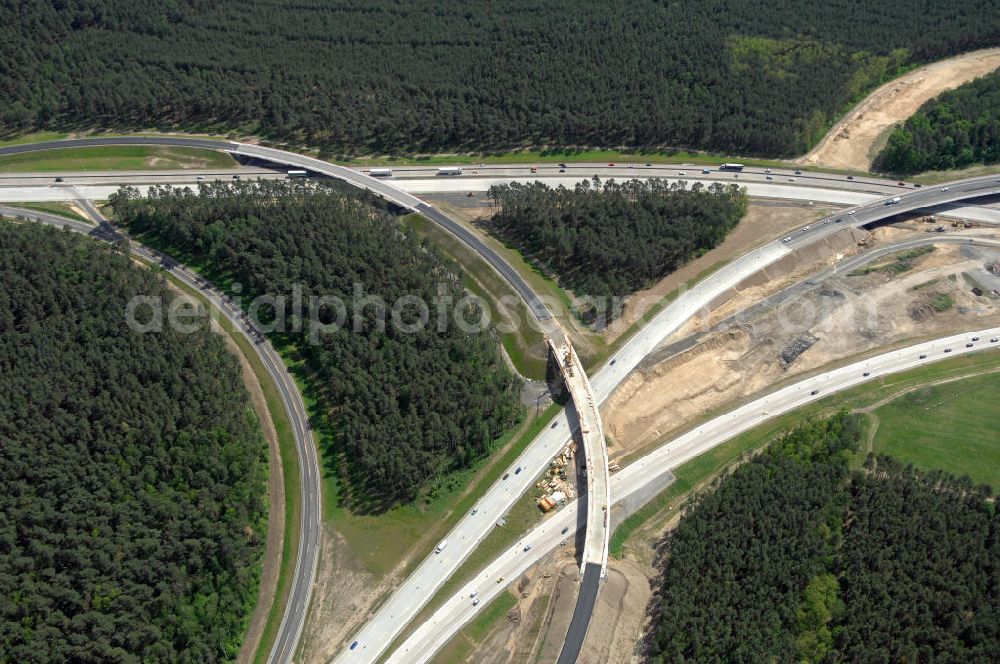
pixel 794 558
pixel 133 469
pixel 402 405
pixel 958 128
pixel 380 75
pixel 613 238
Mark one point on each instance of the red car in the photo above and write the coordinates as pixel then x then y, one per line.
pixel 610 164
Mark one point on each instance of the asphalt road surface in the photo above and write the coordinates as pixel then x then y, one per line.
pixel 458 610
pixel 308 554
pixel 428 577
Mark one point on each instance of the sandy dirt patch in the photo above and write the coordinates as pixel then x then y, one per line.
pixel 763 223
pixel 850 144
pixel 844 315
pixel 275 513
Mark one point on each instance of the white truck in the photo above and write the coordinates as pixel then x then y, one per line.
pixel 449 170
pixel 380 172
pixel 440 547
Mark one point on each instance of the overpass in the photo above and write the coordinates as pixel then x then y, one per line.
pixel 429 576
pixel 594 559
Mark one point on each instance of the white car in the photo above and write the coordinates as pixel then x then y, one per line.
pixel 770 177
pixel 681 173
pixel 945 188
pixel 787 239
pixel 791 179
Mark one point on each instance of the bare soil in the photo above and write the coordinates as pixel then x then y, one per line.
pixel 763 223
pixel 853 142
pixel 275 514
pixel 849 315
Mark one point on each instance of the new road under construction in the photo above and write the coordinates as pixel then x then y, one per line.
pixel 594 558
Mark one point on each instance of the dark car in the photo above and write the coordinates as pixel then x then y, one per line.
pixel 59 179
pixel 814 392
pixel 867 373
pixel 354 645
pixel 506 475
pixel 947 350
pixel 518 471
pixel 554 425
pixel 923 357
pixel 850 177
pixel 968 345
pixel 565 530
pixel 562 165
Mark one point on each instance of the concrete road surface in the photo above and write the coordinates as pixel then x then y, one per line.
pixel 458 610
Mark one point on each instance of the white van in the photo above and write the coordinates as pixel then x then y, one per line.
pixel 440 547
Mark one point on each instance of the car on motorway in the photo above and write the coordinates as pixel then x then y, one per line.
pixel 681 173
pixel 499 579
pixel 527 547
pixel 791 179
pixel 354 645
pixel 562 165
pixel 236 177
pixel 564 530
pixel 475 510
pixel 993 340
pixel 947 350
pixel 648 164
pixel 611 163
pixel 613 361
pixel 945 188
pixel 767 170
pixel 923 357
pixel 975 338
pixel 473 594
pixel 805 228
pixel 838 220
pixel 917 184
pixel 814 392
pixel 706 171
pixel 506 475
pixel 518 471
pixel 475 602
pixel 631 165
pixel 554 425
pixel 866 374
pixel 852 212
pixel 770 177
pixel 59 179
pixel 787 239
pixel 901 183
pixel 850 177
pixel 562 170
pixel 534 169
pixel 969 345
pixel 441 547
pixel 797 172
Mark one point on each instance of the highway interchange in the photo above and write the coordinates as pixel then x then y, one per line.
pixel 412 594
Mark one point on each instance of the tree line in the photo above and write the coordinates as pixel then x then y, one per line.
pixel 958 128
pixel 379 76
pixel 611 238
pixel 792 557
pixel 399 406
pixel 134 504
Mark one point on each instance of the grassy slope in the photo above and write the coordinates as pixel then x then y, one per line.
pixel 60 209
pixel 290 472
pixel 951 426
pixel 115 158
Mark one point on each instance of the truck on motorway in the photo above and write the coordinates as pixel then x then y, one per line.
pixel 380 172
pixel 450 170
pixel 440 547
pixel 731 167
pixel 298 174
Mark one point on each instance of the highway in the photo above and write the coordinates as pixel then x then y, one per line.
pixel 300 593
pixel 594 557
pixel 431 573
pixel 434 633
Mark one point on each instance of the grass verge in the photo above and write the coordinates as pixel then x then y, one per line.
pixel 115 158
pixel 290 476
pixel 472 636
pixel 59 209
pixel 905 447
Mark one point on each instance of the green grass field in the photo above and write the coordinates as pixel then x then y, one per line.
pixel 60 209
pixel 115 158
pixel 952 426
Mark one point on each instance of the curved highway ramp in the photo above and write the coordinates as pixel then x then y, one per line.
pixel 594 561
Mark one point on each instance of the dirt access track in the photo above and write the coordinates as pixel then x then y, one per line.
pixel 853 142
